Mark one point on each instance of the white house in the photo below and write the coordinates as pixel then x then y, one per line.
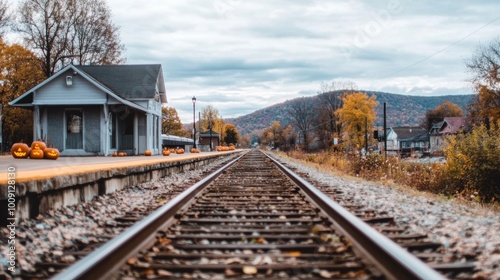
pixel 404 138
pixel 99 109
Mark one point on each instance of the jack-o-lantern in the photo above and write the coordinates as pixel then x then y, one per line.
pixel 166 152
pixel 148 153
pixel 51 153
pixel 36 154
pixel 38 145
pixel 20 150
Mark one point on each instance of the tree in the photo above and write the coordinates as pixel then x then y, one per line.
pixel 19 71
pixel 231 134
pixel 93 38
pixel 273 135
pixel 302 114
pixel 59 30
pixel 210 119
pixel 5 16
pixel 357 116
pixel 446 109
pixel 330 96
pixel 171 123
pixel 484 67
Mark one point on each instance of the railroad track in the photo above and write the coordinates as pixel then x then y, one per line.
pixel 251 218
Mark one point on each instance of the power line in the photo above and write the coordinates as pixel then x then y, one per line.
pixel 440 51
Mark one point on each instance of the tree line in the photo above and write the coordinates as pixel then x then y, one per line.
pixel 210 120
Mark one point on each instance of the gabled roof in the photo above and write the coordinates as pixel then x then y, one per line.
pixel 129 81
pixel 452 125
pixel 408 132
pixel 123 82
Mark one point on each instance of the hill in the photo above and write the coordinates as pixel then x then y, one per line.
pixel 402 110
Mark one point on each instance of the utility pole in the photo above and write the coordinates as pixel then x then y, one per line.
pixel 366 135
pixel 385 131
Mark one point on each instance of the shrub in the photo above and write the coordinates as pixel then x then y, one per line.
pixel 473 162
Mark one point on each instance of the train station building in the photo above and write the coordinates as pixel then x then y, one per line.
pixel 98 109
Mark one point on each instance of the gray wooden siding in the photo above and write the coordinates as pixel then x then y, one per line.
pixel 81 92
pixel 55 126
pixel 92 129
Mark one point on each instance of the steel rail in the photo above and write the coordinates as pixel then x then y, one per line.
pixel 392 260
pixel 116 252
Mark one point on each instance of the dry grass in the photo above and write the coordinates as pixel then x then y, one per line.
pixel 411 178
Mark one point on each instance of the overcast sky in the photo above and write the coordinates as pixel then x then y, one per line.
pixel 240 56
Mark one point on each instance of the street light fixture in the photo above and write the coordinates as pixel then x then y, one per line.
pixel 194 122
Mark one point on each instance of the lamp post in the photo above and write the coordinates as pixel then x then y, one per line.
pixel 210 128
pixel 194 122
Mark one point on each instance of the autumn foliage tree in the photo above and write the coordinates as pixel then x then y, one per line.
pixel 171 123
pixel 63 31
pixel 330 100
pixel 19 71
pixel 484 67
pixel 446 109
pixel 357 116
pixel 231 134
pixel 273 135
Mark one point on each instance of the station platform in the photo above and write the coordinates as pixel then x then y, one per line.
pixel 40 185
pixel 37 169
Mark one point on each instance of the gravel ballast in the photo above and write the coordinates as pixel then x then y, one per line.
pixel 468 229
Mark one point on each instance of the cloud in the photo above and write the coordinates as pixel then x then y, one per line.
pixel 240 56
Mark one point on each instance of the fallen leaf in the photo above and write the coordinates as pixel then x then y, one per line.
pixel 132 261
pixel 164 273
pixel 249 269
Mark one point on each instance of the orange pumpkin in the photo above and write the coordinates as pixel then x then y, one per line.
pixel 122 154
pixel 20 150
pixel 51 153
pixel 114 154
pixel 36 154
pixel 172 150
pixel 166 152
pixel 180 151
pixel 148 153
pixel 38 145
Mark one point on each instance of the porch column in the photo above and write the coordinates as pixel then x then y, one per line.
pixel 37 134
pixel 105 130
pixel 136 134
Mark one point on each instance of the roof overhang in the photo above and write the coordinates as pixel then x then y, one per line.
pixel 26 99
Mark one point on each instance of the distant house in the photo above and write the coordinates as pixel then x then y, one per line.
pixel 209 140
pixel 406 139
pixel 440 130
pixel 96 110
